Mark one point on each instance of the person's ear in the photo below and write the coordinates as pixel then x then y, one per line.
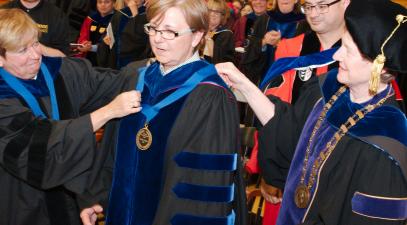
pixel 197 37
pixel 2 59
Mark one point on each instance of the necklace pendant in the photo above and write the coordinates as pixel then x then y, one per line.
pixel 144 138
pixel 302 196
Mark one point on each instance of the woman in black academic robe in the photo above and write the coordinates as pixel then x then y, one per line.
pixel 349 164
pixel 176 161
pixel 49 110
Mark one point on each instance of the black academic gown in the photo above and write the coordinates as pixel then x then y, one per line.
pixel 131 42
pixel 223 48
pixel 43 161
pixel 204 122
pixel 361 162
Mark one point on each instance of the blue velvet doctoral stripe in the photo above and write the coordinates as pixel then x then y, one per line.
pixel 202 161
pixel 184 219
pixel 137 183
pixel 385 208
pixel 205 193
pixel 284 64
pixel 37 87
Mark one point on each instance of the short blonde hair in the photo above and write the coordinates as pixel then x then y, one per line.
pixel 194 11
pixel 221 6
pixel 15 25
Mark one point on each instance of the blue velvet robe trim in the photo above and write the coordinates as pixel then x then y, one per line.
pixel 37 87
pixel 282 65
pixel 137 179
pixel 205 193
pixel 385 121
pixel 182 219
pixel 201 161
pixel 385 208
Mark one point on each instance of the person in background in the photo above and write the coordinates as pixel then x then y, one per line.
pixel 51 21
pixel 93 29
pixel 130 40
pixel 49 110
pixel 349 165
pixel 177 160
pixel 219 40
pixel 243 27
pixel 279 23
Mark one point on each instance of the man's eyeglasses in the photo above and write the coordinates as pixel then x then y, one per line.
pixel 319 8
pixel 166 34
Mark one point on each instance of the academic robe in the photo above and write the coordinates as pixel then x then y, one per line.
pixel 368 160
pixel 223 48
pixel 257 59
pixel 93 29
pixel 44 162
pixel 131 42
pixel 191 174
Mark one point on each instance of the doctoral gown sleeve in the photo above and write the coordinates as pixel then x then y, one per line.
pixel 278 137
pixel 207 124
pixel 356 167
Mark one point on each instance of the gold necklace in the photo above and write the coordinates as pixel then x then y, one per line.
pixel 303 192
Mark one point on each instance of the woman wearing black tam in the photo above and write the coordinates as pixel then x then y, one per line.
pixel 350 164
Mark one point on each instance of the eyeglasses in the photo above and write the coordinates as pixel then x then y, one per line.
pixel 35 45
pixel 216 12
pixel 319 8
pixel 166 34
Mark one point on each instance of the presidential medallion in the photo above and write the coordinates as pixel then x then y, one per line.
pixel 302 196
pixel 144 138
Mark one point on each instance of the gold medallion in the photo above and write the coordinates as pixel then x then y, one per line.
pixel 302 196
pixel 144 138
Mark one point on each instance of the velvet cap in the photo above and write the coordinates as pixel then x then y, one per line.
pixel 370 23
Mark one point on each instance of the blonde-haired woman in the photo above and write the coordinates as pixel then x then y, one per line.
pixel 219 41
pixel 176 162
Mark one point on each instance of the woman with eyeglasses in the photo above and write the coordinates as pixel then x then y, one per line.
pixel 176 162
pixel 219 45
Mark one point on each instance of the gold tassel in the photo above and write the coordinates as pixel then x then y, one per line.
pixel 378 63
pixel 377 68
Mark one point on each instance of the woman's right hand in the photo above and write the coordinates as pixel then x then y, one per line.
pixel 232 75
pixel 124 104
pixel 89 215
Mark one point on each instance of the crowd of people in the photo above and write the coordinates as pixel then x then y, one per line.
pixel 169 84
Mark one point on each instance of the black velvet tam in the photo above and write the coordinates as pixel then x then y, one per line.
pixel 370 22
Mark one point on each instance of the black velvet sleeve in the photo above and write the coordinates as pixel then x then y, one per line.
pixel 278 138
pixel 42 152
